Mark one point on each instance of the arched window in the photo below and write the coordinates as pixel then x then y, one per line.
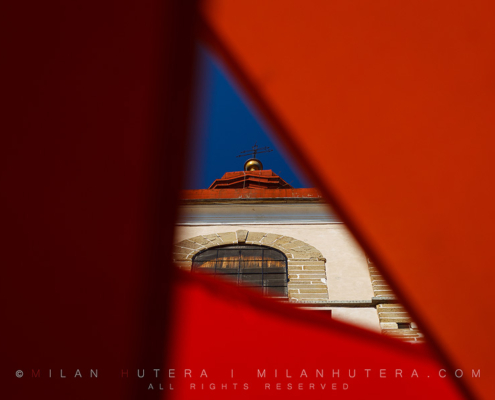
pixel 259 267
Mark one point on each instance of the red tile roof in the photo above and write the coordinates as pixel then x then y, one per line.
pixel 265 179
pixel 204 194
pixel 263 184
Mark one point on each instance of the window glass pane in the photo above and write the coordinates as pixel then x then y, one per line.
pixel 250 279
pixel 207 264
pixel 254 267
pixel 228 255
pixel 270 254
pixel 227 270
pixel 252 264
pixel 274 280
pixel 207 255
pixel 275 291
pixel 227 266
pixel 271 267
pixel 252 254
pixel 251 270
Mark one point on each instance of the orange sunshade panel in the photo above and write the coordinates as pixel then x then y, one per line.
pixel 390 106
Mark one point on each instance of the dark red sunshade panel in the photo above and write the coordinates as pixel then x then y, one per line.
pixel 95 97
pixel 390 108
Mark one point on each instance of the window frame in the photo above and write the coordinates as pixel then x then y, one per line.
pixel 265 289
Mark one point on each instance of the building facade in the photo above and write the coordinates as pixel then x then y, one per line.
pixel 252 228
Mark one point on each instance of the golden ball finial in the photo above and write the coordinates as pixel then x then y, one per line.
pixel 253 164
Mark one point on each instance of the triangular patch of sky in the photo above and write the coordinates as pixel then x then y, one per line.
pixel 224 125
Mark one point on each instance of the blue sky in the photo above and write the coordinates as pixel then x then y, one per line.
pixel 225 124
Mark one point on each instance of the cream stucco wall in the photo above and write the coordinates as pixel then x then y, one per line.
pixel 348 276
pixel 366 318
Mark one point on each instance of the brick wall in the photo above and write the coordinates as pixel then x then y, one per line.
pixel 394 319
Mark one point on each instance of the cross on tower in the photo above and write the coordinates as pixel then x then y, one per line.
pixel 255 150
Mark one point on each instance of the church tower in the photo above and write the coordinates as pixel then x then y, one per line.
pixel 256 231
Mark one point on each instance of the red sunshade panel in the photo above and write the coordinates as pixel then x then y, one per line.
pixel 231 344
pixel 390 105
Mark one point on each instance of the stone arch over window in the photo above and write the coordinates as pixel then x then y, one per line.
pixel 306 264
